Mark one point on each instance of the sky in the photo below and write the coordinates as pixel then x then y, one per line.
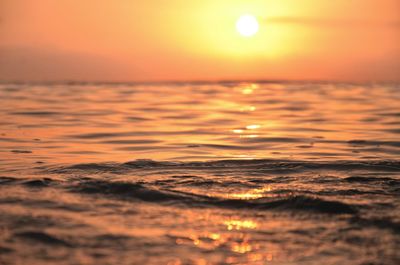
pixel 180 40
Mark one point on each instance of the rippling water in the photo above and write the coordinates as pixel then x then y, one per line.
pixel 224 173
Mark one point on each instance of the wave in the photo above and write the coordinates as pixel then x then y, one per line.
pixel 128 191
pixel 138 191
pixel 43 238
pixel 257 165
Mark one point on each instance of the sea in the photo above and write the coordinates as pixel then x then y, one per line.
pixel 288 173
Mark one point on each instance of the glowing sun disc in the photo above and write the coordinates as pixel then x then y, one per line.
pixel 247 25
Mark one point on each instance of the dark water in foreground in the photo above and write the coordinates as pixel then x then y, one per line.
pixel 285 173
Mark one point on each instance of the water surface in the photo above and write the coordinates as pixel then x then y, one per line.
pixel 222 173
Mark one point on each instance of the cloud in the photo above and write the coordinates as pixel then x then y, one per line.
pixel 325 22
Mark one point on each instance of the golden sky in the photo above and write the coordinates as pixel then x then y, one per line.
pixel 158 40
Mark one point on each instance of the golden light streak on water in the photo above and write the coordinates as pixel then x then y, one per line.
pixel 240 224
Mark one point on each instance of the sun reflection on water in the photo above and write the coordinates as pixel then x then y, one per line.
pixel 234 239
pixel 251 194
pixel 240 224
pixel 250 136
pixel 253 127
pixel 248 108
pixel 247 89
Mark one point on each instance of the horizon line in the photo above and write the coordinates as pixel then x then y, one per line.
pixel 194 81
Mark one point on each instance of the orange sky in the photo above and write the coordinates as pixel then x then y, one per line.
pixel 157 40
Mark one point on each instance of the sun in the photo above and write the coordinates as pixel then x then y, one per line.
pixel 247 25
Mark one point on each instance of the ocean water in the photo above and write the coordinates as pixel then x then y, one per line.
pixel 204 173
